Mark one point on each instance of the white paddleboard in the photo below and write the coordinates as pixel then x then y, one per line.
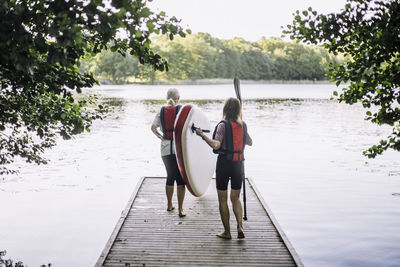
pixel 195 158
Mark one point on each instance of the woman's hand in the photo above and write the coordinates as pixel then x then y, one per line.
pixel 154 130
pixel 199 132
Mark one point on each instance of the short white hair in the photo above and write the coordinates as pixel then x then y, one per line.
pixel 172 95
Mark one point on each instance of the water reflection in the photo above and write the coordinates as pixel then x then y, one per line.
pixel 114 101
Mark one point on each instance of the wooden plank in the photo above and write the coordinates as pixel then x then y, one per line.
pixel 183 263
pixel 147 234
pixel 117 228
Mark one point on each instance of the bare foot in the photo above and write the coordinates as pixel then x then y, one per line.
pixel 225 235
pixel 240 233
pixel 182 214
pixel 170 208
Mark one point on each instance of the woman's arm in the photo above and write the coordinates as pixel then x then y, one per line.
pixel 154 130
pixel 249 141
pixel 214 144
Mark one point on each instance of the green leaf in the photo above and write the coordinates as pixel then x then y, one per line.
pixel 145 12
pixel 138 34
pixel 150 25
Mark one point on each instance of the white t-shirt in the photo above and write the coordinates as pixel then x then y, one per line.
pixel 165 143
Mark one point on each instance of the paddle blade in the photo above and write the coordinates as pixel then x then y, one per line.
pixel 236 84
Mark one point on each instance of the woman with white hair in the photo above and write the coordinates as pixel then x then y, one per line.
pixel 165 120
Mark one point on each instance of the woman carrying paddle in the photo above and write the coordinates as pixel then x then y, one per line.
pixel 229 140
pixel 165 119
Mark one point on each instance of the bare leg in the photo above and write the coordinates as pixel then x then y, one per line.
pixel 238 211
pixel 169 190
pixel 224 213
pixel 181 196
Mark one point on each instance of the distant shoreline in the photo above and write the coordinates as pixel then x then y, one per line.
pixel 220 81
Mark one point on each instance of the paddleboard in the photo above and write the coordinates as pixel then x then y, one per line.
pixel 195 159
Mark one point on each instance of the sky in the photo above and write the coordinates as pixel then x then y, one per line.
pixel 249 19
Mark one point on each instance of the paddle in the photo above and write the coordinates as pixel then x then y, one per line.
pixel 236 84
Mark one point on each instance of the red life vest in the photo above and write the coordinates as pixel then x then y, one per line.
pixel 238 138
pixel 235 140
pixel 167 116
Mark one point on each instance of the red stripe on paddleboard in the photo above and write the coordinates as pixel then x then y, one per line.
pixel 183 114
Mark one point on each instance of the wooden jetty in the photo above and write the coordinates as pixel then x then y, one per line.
pixel 148 235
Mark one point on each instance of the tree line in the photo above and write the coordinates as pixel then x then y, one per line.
pixel 201 56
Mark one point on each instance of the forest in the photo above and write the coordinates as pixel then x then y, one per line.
pixel 201 56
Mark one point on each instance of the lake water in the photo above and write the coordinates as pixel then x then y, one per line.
pixel 337 207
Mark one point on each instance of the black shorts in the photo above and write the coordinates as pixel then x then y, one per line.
pixel 228 169
pixel 173 173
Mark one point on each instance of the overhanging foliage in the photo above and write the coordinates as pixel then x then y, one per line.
pixel 368 33
pixel 42 43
